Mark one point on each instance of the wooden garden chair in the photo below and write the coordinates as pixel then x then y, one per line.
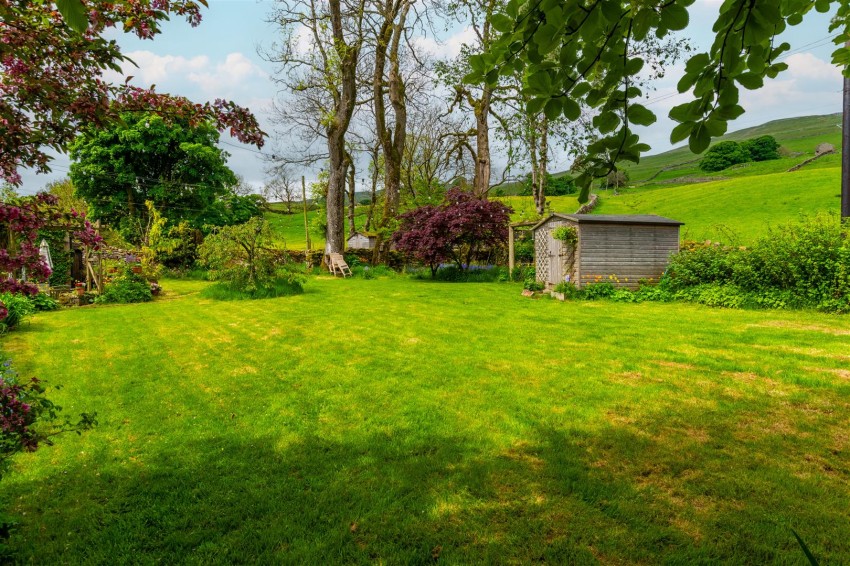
pixel 338 265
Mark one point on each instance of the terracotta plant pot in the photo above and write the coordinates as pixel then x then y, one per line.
pixel 137 269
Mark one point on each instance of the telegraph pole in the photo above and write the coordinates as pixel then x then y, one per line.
pixel 306 225
pixel 845 155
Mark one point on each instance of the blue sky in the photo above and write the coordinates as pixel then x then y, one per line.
pixel 219 59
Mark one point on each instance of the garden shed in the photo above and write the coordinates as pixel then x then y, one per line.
pixel 361 241
pixel 621 249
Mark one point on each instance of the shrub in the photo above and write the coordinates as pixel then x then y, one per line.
pixel 702 263
pixel 806 264
pixel 42 302
pixel 455 230
pixel 599 291
pixel 555 186
pixel 566 234
pixel 522 272
pixel 569 290
pixel 524 250
pixel 242 257
pixel 560 186
pixel 17 307
pixel 723 155
pixel 179 249
pixel 127 288
pixel 762 148
pixel 530 283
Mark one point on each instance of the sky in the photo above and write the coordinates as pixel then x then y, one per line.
pixel 221 59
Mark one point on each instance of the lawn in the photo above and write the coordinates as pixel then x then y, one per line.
pixel 399 421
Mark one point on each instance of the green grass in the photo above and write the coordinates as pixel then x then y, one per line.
pixel 736 210
pixel 395 421
pixel 524 209
pixel 289 228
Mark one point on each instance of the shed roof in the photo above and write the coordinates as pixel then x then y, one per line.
pixel 646 219
pixel 364 234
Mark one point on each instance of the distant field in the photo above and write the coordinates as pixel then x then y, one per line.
pixel 736 207
pixel 524 209
pixel 289 228
pixel 737 210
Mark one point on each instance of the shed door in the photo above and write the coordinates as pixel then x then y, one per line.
pixel 556 264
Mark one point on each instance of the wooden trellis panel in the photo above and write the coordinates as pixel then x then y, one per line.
pixel 541 254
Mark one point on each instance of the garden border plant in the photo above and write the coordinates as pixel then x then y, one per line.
pixel 799 265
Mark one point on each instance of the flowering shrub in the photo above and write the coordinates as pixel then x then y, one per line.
pixel 23 219
pixel 28 419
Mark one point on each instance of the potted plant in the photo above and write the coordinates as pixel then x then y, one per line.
pixel 80 287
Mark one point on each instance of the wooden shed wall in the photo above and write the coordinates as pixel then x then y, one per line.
pixel 630 252
pixel 361 242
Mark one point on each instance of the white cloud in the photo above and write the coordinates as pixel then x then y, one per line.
pixel 233 72
pixel 154 69
pixel 449 47
pixel 808 66
pixel 198 78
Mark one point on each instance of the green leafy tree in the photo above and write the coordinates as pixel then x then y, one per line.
pixel 52 59
pixel 575 53
pixel 723 155
pixel 762 148
pixel 145 158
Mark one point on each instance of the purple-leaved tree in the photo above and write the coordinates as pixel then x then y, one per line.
pixel 455 230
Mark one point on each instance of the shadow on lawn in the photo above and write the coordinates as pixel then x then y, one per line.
pixel 406 498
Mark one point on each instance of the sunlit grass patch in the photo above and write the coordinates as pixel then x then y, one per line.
pixel 392 420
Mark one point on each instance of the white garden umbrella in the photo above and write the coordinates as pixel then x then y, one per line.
pixel 44 250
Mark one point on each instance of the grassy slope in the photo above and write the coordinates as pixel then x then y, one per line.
pixel 387 421
pixel 801 135
pixel 744 200
pixel 737 210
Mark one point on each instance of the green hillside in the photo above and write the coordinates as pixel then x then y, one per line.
pixel 797 136
pixel 735 210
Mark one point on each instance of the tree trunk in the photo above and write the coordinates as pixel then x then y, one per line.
pixel 335 206
pixel 392 140
pixel 542 165
pixel 352 190
pixel 345 97
pixel 481 181
pixel 374 196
